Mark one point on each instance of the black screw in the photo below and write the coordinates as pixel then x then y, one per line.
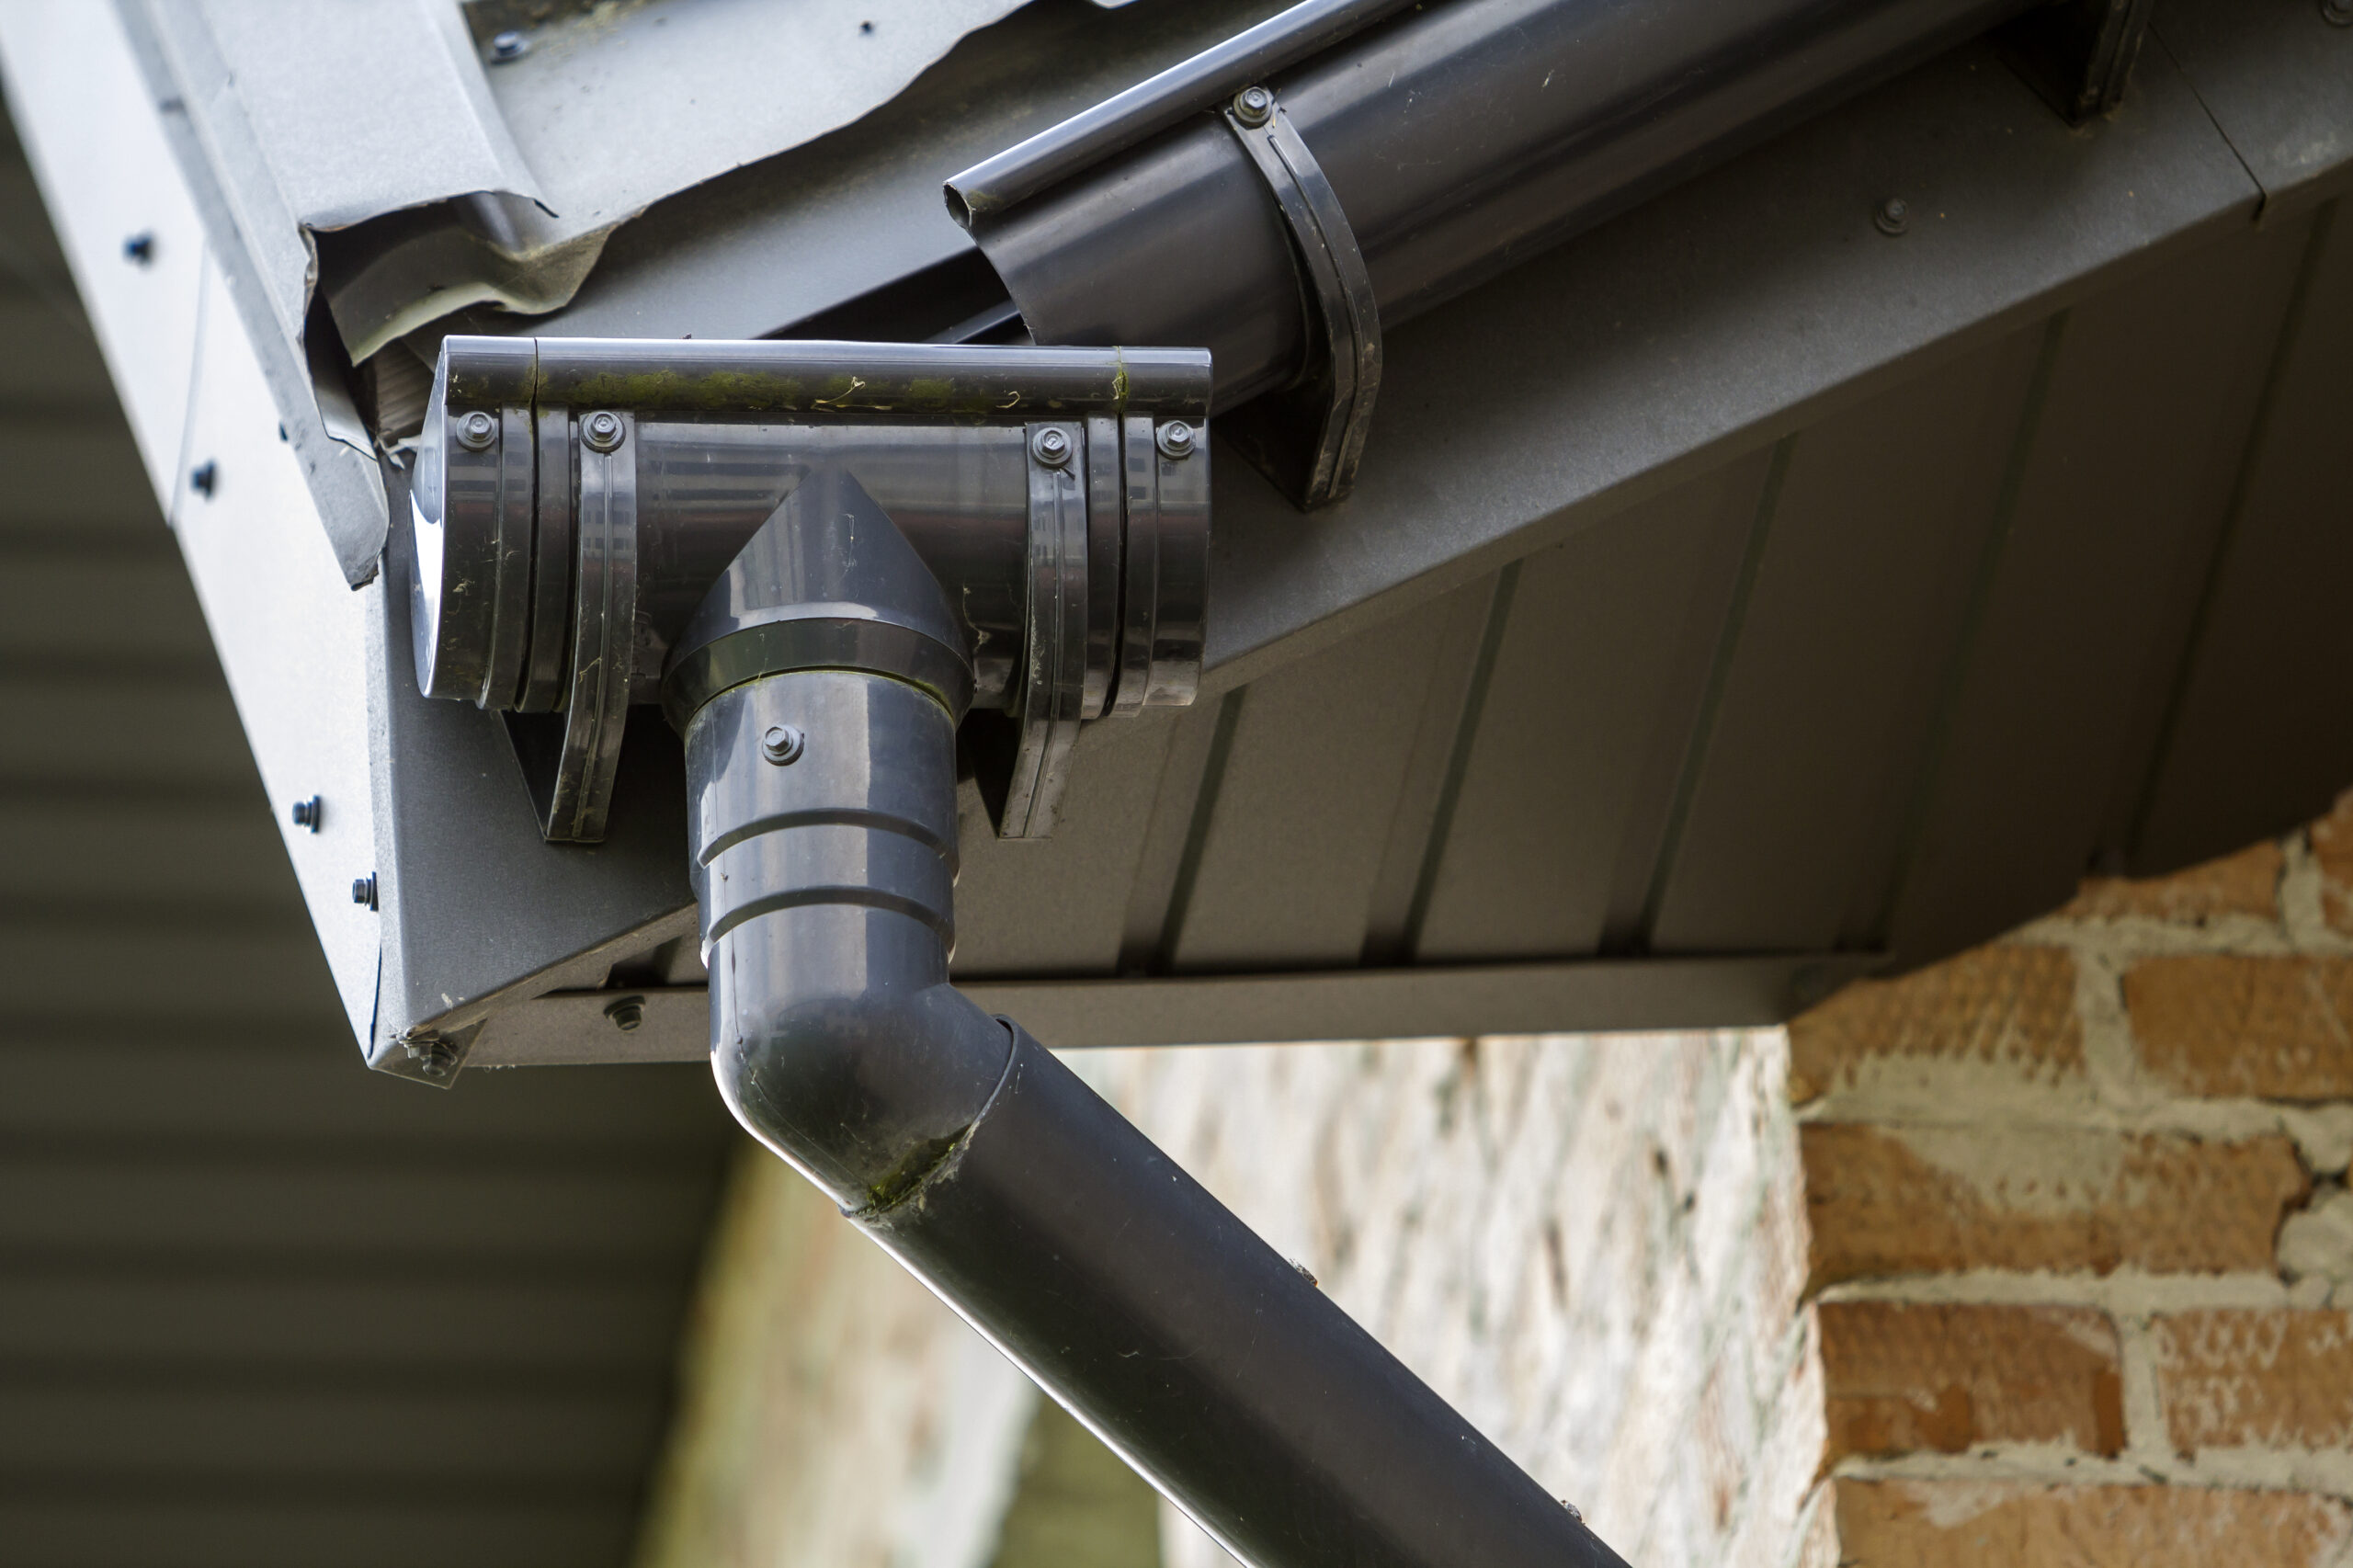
pixel 627 1013
pixel 1253 106
pixel 601 431
pixel 476 431
pixel 310 813
pixel 1895 216
pixel 1052 446
pixel 203 477
pixel 782 744
pixel 140 249
pixel 363 891
pixel 508 46
pixel 1175 440
pixel 866 27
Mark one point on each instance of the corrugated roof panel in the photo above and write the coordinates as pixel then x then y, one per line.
pixel 259 1306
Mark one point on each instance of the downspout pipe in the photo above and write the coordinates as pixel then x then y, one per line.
pixel 822 809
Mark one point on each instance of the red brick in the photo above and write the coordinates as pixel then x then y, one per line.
pixel 2244 883
pixel 2009 1005
pixel 2226 1024
pixel 1879 1205
pixel 1963 1524
pixel 2332 840
pixel 2256 1378
pixel 1900 1377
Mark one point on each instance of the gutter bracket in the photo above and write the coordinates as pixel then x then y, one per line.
pixel 575 669
pixel 1054 686
pixel 1309 436
pixel 2077 55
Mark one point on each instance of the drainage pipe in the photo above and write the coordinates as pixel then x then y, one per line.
pixel 1460 139
pixel 823 817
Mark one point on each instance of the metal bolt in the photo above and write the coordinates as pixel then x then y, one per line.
pixel 1052 446
pixel 2336 13
pixel 363 891
pixel 203 477
pixel 140 248
pixel 1175 440
pixel 1574 1511
pixel 433 1055
pixel 782 744
pixel 476 431
pixel 602 431
pixel 1895 216
pixel 507 46
pixel 310 813
pixel 1304 1273
pixel 1253 106
pixel 627 1013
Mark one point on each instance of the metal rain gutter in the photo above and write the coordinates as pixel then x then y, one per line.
pixel 1280 210
pixel 849 571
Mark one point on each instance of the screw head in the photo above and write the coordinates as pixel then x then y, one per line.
pixel 1894 215
pixel 1253 106
pixel 363 891
pixel 310 813
pixel 1175 440
pixel 1052 446
pixel 782 744
pixel 602 431
pixel 627 1013
pixel 508 45
pixel 204 478
pixel 476 431
pixel 431 1053
pixel 140 248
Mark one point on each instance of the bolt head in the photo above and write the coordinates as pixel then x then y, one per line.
pixel 509 45
pixel 476 431
pixel 363 891
pixel 1175 440
pixel 1052 446
pixel 782 744
pixel 627 1013
pixel 140 249
pixel 2336 13
pixel 602 431
pixel 307 813
pixel 204 478
pixel 1253 106
pixel 1894 215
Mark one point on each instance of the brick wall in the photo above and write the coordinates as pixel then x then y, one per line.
pixel 1594 1247
pixel 2082 1255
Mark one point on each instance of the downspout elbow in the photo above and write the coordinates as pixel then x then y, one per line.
pixel 866 1091
pixel 826 885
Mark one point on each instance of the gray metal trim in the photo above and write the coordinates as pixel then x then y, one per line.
pixel 569 1028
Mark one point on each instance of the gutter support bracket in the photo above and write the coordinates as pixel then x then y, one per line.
pixel 2077 55
pixel 1309 436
